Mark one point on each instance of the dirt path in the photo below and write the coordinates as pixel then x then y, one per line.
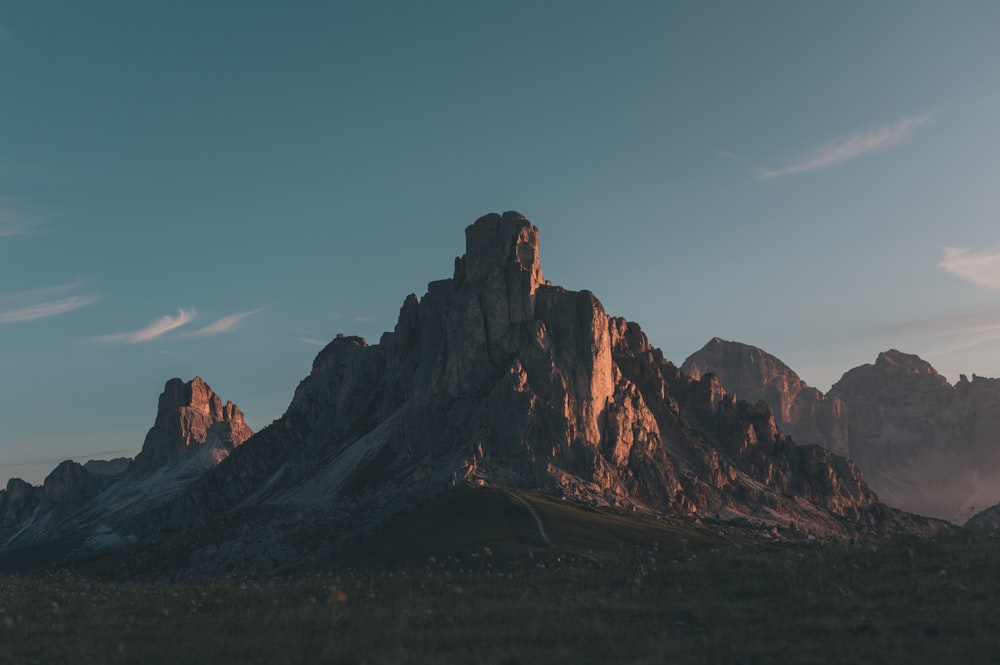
pixel 534 513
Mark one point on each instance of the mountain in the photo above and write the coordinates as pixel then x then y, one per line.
pixel 191 422
pixel 802 412
pixel 497 377
pixel 923 445
pixel 192 431
pixel 494 379
pixel 930 447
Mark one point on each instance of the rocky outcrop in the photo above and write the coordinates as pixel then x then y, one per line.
pixel 68 488
pixel 111 467
pixel 193 431
pixel 190 420
pixel 496 376
pixel 30 513
pixel 927 446
pixel 18 503
pixel 802 412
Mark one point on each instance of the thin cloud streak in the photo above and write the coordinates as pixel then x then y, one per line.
pixel 953 332
pixel 58 460
pixel 976 322
pixel 153 331
pixel 224 325
pixel 46 309
pixel 962 346
pixel 979 268
pixel 44 292
pixel 735 156
pixel 851 147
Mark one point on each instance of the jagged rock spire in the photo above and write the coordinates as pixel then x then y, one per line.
pixel 190 417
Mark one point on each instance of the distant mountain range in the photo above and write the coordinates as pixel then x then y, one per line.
pixel 494 378
pixel 923 445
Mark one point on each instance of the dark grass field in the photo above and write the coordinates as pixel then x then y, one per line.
pixel 616 589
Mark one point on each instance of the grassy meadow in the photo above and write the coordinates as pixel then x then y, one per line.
pixel 670 599
pixel 469 578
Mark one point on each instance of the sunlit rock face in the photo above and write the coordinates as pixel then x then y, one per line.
pixel 925 445
pixel 190 419
pixel 496 376
pixel 802 412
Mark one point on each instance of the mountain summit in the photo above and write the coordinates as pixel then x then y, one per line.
pixel 802 411
pixel 190 419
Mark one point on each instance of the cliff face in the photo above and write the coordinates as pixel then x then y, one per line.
pixel 496 376
pixel 190 418
pixel 923 445
pixel 802 412
pixel 928 446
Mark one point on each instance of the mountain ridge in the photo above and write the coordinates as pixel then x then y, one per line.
pixel 924 445
pixel 494 377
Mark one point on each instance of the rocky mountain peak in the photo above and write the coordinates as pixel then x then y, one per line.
pixel 755 375
pixel 190 417
pixel 498 377
pixel 193 396
pixel 504 246
pixel 894 371
pixel 899 363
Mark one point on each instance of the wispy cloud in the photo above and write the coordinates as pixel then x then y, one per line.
pixel 735 156
pixel 8 230
pixel 224 325
pixel 153 331
pixel 22 306
pixel 953 332
pixel 16 220
pixel 311 338
pixel 46 309
pixel 962 346
pixel 949 324
pixel 979 268
pixel 851 147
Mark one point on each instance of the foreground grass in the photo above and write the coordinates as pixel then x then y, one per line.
pixel 676 601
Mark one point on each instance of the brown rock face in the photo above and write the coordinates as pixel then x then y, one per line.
pixel 496 376
pixel 190 418
pixel 802 412
pixel 926 446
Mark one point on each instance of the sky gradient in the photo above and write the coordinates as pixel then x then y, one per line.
pixel 220 188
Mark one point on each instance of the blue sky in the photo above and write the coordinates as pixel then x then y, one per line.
pixel 220 188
